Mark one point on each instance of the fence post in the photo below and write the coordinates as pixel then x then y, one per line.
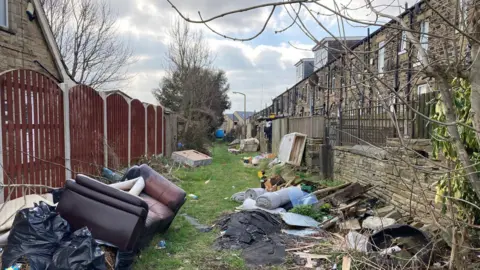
pixel 2 193
pixel 66 134
pixel 156 126
pixel 358 124
pixel 129 131
pixel 146 129
pixel 105 130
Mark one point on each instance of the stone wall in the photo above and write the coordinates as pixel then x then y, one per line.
pixel 393 177
pixel 23 42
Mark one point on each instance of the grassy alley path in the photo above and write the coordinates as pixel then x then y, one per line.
pixel 186 247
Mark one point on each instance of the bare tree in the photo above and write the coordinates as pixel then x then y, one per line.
pixel 87 35
pixel 192 87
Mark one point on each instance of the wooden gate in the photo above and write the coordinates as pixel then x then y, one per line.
pixel 138 130
pixel 117 131
pixel 86 130
pixel 151 130
pixel 32 125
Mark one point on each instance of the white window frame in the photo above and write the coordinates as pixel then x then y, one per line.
pixel 423 89
pixel 6 15
pixel 403 43
pixel 424 29
pixel 381 57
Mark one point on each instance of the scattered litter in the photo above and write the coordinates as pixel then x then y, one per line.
pixel 351 224
pixel 233 187
pixel 17 266
pixel 377 223
pixel 239 197
pixel 309 257
pixel 206 182
pixel 110 175
pixel 193 196
pixel 346 263
pixel 194 222
pixel 297 220
pixel 249 145
pixel 161 245
pixel 391 250
pixel 253 193
pixel 191 158
pixel 301 233
pixel 357 241
pixel 234 142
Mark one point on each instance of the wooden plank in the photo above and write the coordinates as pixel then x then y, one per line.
pixel 16 122
pixel 32 179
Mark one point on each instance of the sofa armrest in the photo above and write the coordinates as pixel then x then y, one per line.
pixel 161 189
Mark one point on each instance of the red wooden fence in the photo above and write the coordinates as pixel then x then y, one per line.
pixel 33 153
pixel 159 128
pixel 86 130
pixel 151 130
pixel 117 131
pixel 138 130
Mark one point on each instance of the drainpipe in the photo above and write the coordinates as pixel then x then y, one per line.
pixel 409 71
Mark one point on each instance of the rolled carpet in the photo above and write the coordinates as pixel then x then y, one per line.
pixel 253 193
pixel 272 200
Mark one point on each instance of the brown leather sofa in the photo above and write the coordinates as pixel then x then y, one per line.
pixel 127 221
pixel 112 215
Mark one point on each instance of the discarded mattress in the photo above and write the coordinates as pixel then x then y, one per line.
pixel 10 208
pixel 272 200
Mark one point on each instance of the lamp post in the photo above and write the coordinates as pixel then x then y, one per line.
pixel 244 112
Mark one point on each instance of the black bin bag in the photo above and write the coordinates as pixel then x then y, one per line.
pixel 35 235
pixel 79 252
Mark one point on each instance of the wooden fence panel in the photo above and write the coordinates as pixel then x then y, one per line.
pixel 151 130
pixel 160 136
pixel 86 130
pixel 311 126
pixel 138 130
pixel 117 131
pixel 32 132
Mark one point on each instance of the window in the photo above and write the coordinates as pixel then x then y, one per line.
pixel 321 56
pixel 422 89
pixel 403 42
pixel 381 56
pixel 3 13
pixel 423 37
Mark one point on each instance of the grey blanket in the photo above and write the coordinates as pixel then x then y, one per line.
pixel 272 200
pixel 253 193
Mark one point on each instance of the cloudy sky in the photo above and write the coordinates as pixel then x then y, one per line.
pixel 261 68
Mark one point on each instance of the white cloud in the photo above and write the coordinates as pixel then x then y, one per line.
pixel 262 69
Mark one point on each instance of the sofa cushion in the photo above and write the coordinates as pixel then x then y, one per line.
pixel 157 210
pixel 100 187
